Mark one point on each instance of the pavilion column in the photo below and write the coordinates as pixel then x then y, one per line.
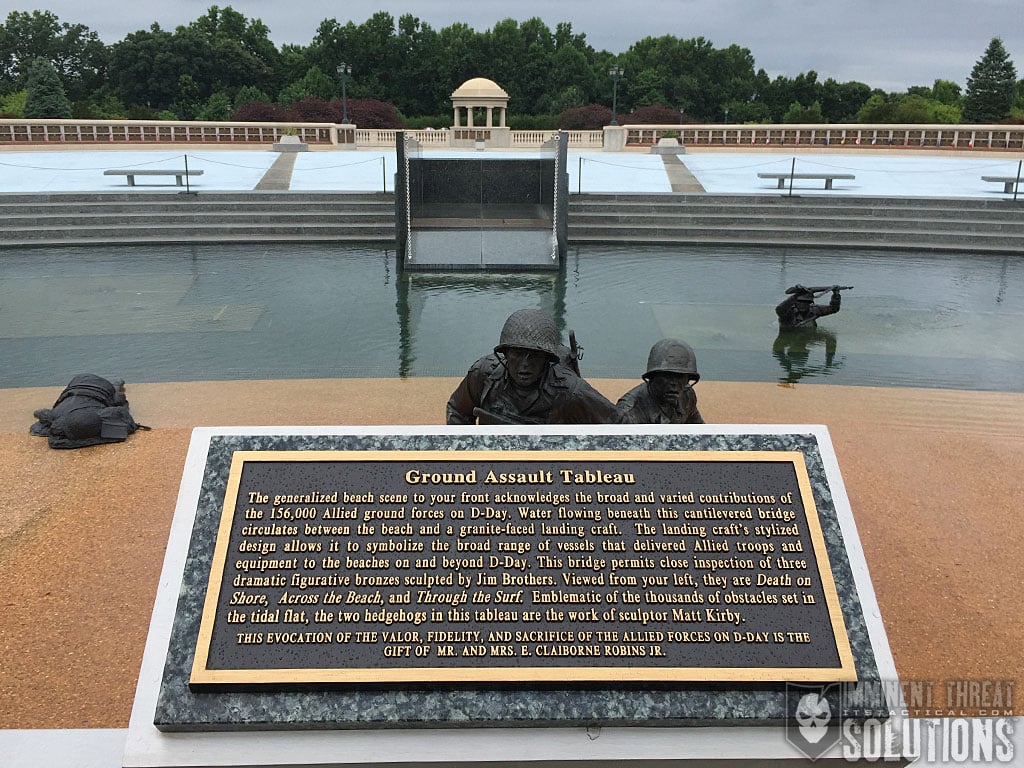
pixel 455 122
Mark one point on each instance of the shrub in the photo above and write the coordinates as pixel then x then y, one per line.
pixel 370 113
pixel 311 109
pixel 589 118
pixel 533 122
pixel 428 121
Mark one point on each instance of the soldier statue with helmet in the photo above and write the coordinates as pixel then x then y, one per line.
pixel 666 396
pixel 527 381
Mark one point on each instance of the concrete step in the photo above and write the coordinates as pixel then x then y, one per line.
pixel 842 228
pixel 204 218
pixel 73 218
pixel 897 214
pixel 199 233
pixel 588 220
pixel 831 199
pixel 155 217
pixel 204 197
pixel 906 223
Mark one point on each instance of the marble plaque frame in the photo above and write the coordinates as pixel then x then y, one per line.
pixel 426 727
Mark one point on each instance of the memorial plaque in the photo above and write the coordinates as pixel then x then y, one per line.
pixel 337 567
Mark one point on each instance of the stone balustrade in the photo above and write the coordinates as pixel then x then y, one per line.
pixel 612 138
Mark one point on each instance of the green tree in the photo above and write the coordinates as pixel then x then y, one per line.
pixel 145 67
pixel 186 105
pixel 102 105
pixel 247 94
pixel 947 92
pixel 314 83
pixel 13 104
pixel 217 107
pixel 799 114
pixel 76 53
pixel 914 108
pixel 45 95
pixel 417 88
pixel 840 101
pixel 463 56
pixel 991 86
pixel 877 109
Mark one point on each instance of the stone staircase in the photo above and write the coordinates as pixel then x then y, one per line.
pixel 990 226
pixel 210 217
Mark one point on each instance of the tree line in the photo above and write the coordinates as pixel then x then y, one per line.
pixel 224 66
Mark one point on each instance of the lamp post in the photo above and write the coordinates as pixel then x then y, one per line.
pixel 615 72
pixel 344 72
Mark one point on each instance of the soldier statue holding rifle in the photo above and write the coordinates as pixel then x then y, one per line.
pixel 798 310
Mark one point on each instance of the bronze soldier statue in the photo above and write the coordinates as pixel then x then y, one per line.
pixel 666 396
pixel 527 381
pixel 91 410
pixel 799 309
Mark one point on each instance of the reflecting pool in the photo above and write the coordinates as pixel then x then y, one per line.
pixel 178 313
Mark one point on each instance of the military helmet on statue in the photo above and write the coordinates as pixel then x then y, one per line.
pixel 672 356
pixel 530 329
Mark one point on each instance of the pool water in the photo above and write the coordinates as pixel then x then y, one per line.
pixel 179 313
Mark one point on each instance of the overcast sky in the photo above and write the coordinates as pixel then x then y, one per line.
pixel 888 45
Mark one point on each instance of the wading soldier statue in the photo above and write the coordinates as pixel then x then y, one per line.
pixel 526 381
pixel 799 309
pixel 666 396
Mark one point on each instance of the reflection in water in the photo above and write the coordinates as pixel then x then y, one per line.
pixel 179 313
pixel 415 290
pixel 792 348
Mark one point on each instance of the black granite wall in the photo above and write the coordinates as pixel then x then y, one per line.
pixel 479 181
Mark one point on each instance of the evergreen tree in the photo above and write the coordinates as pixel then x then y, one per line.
pixel 45 95
pixel 990 88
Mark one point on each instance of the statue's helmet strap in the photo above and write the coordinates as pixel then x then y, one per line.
pixel 672 356
pixel 530 329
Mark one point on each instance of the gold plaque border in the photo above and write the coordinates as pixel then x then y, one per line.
pixel 845 672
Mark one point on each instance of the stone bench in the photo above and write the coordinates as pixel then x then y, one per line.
pixel 1006 181
pixel 828 177
pixel 131 173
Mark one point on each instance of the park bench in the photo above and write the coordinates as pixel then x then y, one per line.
pixel 1006 181
pixel 131 173
pixel 828 177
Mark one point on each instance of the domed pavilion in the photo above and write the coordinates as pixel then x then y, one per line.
pixel 487 96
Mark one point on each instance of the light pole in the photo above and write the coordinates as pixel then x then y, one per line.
pixel 615 72
pixel 344 72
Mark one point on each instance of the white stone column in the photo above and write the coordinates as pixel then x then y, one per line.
pixel 614 138
pixel 455 122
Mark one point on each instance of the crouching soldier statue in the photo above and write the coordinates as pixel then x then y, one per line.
pixel 526 381
pixel 90 411
pixel 666 396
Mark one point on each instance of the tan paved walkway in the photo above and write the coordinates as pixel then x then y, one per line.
pixel 679 176
pixel 934 478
